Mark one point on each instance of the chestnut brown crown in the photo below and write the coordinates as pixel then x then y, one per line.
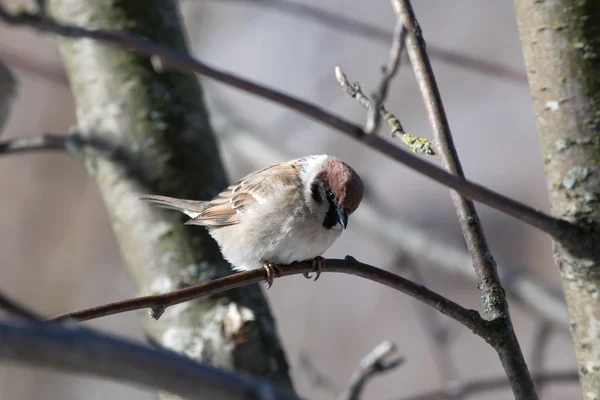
pixel 344 182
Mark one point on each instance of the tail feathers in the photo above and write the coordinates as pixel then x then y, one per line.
pixel 192 208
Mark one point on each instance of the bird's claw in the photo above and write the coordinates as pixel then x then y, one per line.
pixel 273 271
pixel 317 263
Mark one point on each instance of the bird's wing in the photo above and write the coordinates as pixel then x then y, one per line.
pixel 229 205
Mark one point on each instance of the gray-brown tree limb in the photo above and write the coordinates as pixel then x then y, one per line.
pixel 493 295
pixel 561 46
pixel 83 351
pixel 158 125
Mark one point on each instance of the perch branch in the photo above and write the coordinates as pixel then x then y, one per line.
pixel 557 228
pixel 380 360
pixel 159 303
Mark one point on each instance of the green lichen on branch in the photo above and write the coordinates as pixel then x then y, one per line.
pixel 417 145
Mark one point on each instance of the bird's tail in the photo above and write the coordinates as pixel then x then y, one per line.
pixel 192 208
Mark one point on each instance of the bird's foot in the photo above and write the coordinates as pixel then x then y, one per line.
pixel 273 271
pixel 317 263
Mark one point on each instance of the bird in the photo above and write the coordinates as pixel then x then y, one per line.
pixel 285 213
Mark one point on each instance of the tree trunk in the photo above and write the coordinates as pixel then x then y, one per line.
pixel 157 131
pixel 561 45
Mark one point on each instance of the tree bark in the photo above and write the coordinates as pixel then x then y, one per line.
pixel 156 138
pixel 561 45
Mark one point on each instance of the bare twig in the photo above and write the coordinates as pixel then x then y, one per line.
pixel 12 307
pixel 341 23
pixel 159 303
pixel 557 228
pixel 83 351
pixel 488 385
pixel 493 295
pixel 415 144
pixel 388 72
pixel 378 361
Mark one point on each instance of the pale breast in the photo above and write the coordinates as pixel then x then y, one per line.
pixel 280 230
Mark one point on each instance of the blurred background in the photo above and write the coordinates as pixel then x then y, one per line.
pixel 58 254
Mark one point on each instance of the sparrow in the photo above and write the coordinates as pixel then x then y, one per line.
pixel 285 213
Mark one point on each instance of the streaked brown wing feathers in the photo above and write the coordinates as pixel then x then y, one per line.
pixel 226 208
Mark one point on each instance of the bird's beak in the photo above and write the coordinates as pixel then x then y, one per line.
pixel 342 217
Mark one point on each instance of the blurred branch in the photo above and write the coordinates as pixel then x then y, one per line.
pixel 45 142
pixel 540 345
pixel 316 377
pixel 378 361
pixel 8 91
pixel 505 341
pixel 437 328
pixel 83 351
pixel 159 303
pixel 341 23
pixel 12 307
pixel 557 228
pixel 415 144
pixel 416 244
pixel 488 385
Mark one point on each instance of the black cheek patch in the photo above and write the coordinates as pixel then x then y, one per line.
pixel 331 217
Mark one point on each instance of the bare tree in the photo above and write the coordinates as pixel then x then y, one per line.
pixel 126 64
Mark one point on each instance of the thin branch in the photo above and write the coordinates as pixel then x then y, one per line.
pixel 557 228
pixel 380 360
pixel 488 385
pixel 484 264
pixel 341 23
pixel 493 295
pixel 159 303
pixel 83 351
pixel 12 307
pixel 415 144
